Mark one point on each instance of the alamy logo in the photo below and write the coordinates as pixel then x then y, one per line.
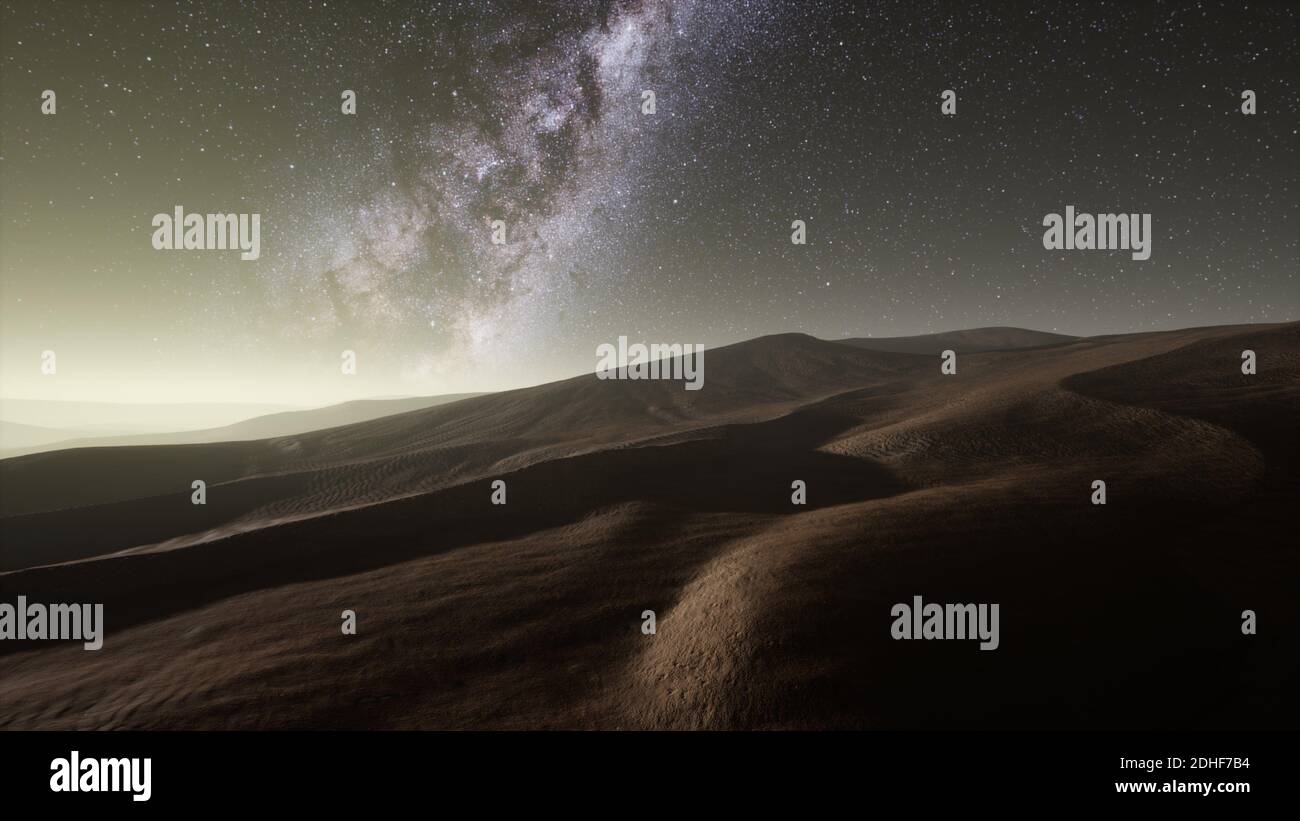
pixel 952 621
pixel 654 361
pixel 74 774
pixel 81 622
pixel 1085 232
pixel 210 232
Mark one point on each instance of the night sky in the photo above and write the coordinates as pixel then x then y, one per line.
pixel 671 227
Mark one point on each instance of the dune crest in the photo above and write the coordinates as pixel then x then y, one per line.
pixel 625 496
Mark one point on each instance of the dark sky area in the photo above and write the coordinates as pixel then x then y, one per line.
pixel 671 227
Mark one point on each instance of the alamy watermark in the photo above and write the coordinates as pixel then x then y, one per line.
pixel 208 232
pixel 53 622
pixel 653 361
pixel 946 621
pixel 1102 232
pixel 77 774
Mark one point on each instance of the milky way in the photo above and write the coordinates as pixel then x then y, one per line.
pixel 552 140
pixel 672 227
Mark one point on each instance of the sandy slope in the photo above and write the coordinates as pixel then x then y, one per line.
pixel 625 496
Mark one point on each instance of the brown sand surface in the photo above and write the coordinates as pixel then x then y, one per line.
pixel 634 495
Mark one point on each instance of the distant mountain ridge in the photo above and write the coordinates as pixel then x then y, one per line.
pixel 19 439
pixel 972 340
pixel 132 417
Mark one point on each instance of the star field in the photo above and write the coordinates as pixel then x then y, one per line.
pixel 672 226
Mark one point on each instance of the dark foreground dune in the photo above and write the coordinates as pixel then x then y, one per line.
pixel 627 496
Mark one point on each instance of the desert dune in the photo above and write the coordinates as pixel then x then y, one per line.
pixel 625 496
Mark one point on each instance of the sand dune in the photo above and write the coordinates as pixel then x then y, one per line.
pixel 626 496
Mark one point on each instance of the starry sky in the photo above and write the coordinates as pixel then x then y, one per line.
pixel 671 227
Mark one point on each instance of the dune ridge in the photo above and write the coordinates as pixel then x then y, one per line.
pixel 628 495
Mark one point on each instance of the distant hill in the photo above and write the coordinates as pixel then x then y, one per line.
pixel 18 439
pixel 16 436
pixel 973 340
pixel 114 418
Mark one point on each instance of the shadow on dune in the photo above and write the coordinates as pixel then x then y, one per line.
pixel 744 468
pixel 630 496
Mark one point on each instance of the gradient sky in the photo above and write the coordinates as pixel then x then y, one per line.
pixel 673 227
